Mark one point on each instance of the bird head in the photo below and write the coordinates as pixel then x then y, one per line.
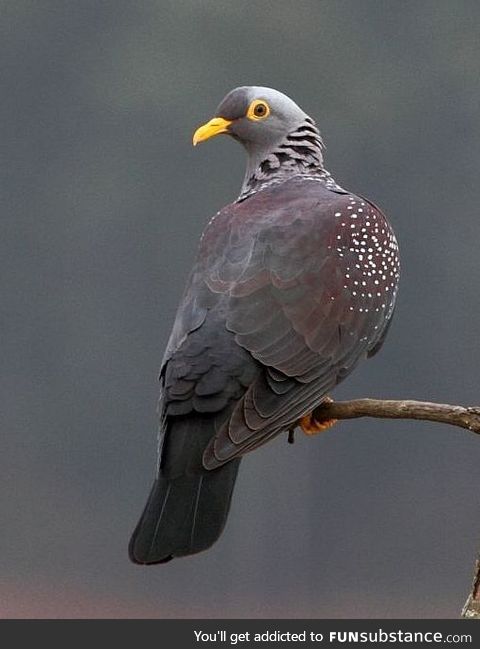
pixel 257 117
pixel 281 140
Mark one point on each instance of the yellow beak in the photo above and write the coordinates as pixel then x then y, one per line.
pixel 214 127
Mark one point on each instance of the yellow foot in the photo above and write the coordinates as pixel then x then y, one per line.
pixel 312 426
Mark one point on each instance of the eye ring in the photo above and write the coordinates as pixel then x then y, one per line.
pixel 258 109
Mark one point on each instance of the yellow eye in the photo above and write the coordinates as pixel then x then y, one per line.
pixel 258 109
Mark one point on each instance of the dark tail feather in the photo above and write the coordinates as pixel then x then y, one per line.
pixel 185 513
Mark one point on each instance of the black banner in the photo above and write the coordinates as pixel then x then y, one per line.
pixel 225 634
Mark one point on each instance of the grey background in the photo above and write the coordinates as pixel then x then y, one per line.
pixel 103 201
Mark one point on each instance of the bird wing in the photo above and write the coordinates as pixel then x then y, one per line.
pixel 307 279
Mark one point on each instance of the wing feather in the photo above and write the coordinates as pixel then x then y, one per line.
pixel 290 289
pixel 304 301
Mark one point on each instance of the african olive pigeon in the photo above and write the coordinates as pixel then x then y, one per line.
pixel 293 284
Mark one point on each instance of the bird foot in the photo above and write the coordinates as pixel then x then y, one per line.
pixel 312 426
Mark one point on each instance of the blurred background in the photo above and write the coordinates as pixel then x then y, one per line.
pixel 103 202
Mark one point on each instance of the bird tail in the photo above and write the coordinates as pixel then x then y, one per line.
pixel 188 505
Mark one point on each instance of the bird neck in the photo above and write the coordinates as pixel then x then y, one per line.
pixel 297 154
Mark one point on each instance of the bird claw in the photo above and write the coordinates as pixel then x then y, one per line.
pixel 312 426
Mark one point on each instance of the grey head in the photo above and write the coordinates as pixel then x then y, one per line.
pixel 281 140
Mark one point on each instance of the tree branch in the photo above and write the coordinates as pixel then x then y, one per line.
pixel 471 609
pixel 465 417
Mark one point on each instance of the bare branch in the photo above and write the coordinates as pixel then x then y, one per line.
pixel 472 605
pixel 465 417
